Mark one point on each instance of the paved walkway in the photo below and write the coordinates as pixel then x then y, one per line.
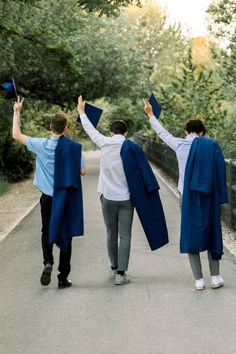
pixel 159 312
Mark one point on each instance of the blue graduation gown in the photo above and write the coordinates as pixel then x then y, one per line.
pixel 204 190
pixel 67 204
pixel 144 193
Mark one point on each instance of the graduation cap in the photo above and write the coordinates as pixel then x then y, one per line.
pixel 93 113
pixel 10 89
pixel 155 106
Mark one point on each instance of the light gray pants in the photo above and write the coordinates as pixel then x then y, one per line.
pixel 195 263
pixel 118 218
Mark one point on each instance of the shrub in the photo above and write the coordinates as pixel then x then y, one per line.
pixel 3 185
pixel 17 161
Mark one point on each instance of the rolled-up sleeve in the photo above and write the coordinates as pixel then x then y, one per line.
pixel 83 165
pixel 34 144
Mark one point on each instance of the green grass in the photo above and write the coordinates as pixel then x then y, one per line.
pixel 4 185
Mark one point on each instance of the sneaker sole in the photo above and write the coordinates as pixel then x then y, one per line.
pixel 217 286
pixel 200 289
pixel 123 283
pixel 64 286
pixel 46 277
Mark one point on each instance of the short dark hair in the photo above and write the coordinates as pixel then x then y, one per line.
pixel 119 127
pixel 195 126
pixel 58 123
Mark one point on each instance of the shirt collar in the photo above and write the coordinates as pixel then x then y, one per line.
pixel 118 137
pixel 191 137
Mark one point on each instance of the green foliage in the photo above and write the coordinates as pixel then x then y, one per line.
pixel 123 109
pixel 3 185
pixel 108 7
pixel 154 49
pixel 59 49
pixel 223 11
pixel 195 93
pixel 223 14
pixel 17 161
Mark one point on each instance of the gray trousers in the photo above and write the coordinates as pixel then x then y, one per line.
pixel 118 218
pixel 195 263
pixel 195 260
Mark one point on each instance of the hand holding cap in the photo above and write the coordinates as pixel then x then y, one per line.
pixel 81 105
pixel 93 113
pixel 152 107
pixel 18 104
pixel 147 108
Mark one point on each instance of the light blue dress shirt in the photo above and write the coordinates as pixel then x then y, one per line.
pixel 44 149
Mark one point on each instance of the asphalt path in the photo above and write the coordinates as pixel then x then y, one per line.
pixel 159 312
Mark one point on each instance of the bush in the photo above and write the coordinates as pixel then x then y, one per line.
pixel 17 161
pixel 3 185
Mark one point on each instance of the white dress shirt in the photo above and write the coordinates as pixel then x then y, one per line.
pixel 179 145
pixel 112 180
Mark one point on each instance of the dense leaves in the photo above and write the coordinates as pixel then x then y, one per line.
pixel 108 7
pixel 223 27
pixel 116 55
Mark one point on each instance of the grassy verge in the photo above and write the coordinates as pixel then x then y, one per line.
pixel 4 185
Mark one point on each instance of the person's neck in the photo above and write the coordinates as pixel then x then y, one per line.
pixel 54 135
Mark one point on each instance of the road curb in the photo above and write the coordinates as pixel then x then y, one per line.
pixel 14 224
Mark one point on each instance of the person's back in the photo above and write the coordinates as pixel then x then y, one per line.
pixel 45 151
pixel 117 207
pixel 193 129
pixel 198 228
pixel 112 181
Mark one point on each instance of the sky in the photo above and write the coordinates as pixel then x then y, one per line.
pixel 190 13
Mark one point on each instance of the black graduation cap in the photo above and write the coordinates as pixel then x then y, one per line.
pixel 155 106
pixel 93 113
pixel 10 88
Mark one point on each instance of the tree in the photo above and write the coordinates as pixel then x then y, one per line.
pixel 108 7
pixel 193 93
pixel 46 42
pixel 223 21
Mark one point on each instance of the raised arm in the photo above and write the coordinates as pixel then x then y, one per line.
pixel 165 136
pixel 92 132
pixel 16 130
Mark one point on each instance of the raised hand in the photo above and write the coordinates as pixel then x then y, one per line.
pixel 18 104
pixel 147 108
pixel 81 105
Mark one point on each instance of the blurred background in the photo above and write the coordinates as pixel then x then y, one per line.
pixel 115 53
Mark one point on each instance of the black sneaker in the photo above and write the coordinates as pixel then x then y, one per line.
pixel 62 284
pixel 45 278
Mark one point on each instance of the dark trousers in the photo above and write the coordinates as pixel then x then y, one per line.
pixel 65 257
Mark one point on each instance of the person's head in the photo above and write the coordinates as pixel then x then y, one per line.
pixel 58 123
pixel 195 126
pixel 119 127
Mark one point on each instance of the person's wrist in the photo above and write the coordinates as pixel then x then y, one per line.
pixel 81 112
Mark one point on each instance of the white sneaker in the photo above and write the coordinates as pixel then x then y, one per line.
pixel 217 282
pixel 199 284
pixel 112 271
pixel 121 279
